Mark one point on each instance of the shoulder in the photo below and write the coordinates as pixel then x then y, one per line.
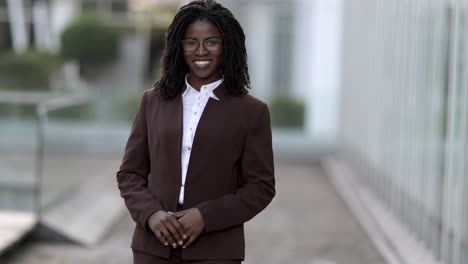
pixel 150 100
pixel 151 93
pixel 254 112
pixel 252 103
pixel 151 96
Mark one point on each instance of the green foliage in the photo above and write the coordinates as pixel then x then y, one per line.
pixel 156 47
pixel 90 40
pixel 157 38
pixel 28 72
pixel 286 112
pixel 16 111
pixel 78 112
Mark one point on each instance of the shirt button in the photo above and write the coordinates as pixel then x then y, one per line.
pixel 189 148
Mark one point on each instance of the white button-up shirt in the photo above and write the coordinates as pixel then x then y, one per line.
pixel 194 103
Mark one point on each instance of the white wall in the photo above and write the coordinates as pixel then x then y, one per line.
pixel 259 38
pixel 316 76
pixel 41 24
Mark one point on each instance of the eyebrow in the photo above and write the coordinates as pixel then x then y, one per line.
pixel 203 39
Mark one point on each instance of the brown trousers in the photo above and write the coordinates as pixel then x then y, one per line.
pixel 174 258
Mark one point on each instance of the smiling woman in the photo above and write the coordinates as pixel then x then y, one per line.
pixel 189 178
pixel 228 43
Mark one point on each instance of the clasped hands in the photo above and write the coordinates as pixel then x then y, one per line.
pixel 177 228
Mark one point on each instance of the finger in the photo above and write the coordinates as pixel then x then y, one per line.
pixel 174 232
pixel 190 241
pixel 181 233
pixel 167 234
pixel 161 237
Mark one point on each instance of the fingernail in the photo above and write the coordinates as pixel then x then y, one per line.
pixel 166 244
pixel 180 243
pixel 174 245
pixel 183 247
pixel 185 236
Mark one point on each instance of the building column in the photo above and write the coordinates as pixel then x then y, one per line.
pixel 18 25
pixel 316 76
pixel 41 24
pixel 259 40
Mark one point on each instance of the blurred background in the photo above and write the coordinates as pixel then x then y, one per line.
pixel 368 100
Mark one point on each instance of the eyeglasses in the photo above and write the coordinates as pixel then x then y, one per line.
pixel 212 44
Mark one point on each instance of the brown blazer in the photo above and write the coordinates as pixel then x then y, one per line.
pixel 230 178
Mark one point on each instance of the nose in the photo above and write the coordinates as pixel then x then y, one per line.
pixel 201 50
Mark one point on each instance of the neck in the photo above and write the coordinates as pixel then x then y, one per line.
pixel 197 83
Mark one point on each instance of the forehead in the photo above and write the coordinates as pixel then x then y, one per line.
pixel 202 29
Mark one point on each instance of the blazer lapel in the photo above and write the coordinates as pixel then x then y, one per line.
pixel 212 113
pixel 172 126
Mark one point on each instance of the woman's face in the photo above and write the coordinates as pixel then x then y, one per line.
pixel 203 60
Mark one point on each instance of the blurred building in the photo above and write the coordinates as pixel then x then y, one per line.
pixel 285 39
pixel 38 23
pixel 294 50
pixel 142 5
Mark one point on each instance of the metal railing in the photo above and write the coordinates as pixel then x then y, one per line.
pixel 45 104
pixel 43 110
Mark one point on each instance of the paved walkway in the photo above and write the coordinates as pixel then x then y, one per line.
pixel 307 222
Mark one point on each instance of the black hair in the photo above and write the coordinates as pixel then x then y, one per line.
pixel 234 56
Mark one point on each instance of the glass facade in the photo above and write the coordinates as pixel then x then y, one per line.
pixel 404 114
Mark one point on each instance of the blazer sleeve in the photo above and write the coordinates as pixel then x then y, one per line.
pixel 257 171
pixel 132 177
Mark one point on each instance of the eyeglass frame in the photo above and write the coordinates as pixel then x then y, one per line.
pixel 203 42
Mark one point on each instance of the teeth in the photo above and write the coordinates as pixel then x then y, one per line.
pixel 201 62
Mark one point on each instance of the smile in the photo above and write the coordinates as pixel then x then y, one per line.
pixel 202 63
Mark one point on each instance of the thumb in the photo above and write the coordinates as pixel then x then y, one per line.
pixel 179 214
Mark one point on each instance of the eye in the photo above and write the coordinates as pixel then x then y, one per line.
pixel 212 42
pixel 190 43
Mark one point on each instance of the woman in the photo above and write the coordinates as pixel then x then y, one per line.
pixel 198 163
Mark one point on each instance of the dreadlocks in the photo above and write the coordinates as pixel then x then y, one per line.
pixel 234 57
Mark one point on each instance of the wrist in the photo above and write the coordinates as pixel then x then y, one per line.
pixel 150 219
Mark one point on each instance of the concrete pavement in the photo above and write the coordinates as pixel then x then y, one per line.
pixel 307 222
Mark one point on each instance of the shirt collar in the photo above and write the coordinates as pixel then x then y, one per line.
pixel 207 88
